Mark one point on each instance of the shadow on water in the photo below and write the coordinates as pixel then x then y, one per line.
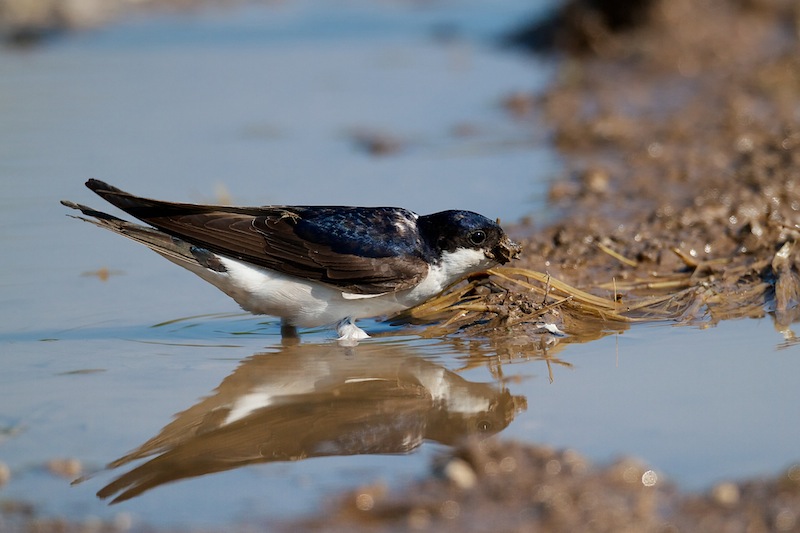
pixel 315 400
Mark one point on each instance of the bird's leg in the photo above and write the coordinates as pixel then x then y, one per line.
pixel 288 331
pixel 349 333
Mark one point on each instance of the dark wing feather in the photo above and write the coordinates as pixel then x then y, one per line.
pixel 344 247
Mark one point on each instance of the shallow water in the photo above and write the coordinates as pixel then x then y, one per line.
pixel 262 101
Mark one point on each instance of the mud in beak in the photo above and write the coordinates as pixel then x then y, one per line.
pixel 505 251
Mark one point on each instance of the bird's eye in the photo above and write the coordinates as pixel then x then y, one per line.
pixel 477 237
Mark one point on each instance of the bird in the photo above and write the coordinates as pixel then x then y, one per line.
pixel 312 265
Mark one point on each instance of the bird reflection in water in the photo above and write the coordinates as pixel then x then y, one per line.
pixel 312 400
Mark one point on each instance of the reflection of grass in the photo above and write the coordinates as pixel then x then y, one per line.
pixel 196 317
pixel 236 324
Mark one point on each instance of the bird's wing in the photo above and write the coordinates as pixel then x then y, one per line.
pixel 364 251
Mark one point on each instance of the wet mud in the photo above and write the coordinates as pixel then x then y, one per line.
pixel 25 23
pixel 680 197
pixel 496 486
pixel 680 142
pixel 678 127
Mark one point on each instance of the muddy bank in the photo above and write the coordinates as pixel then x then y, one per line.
pixel 514 487
pixel 25 22
pixel 681 146
pixel 678 131
pixel 680 196
pixel 28 22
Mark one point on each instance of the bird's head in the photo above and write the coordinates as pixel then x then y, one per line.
pixel 469 239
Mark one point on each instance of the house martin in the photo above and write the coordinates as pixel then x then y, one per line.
pixel 312 265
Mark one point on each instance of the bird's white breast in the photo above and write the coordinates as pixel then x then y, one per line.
pixel 453 265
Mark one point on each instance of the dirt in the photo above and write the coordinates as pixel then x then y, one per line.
pixel 496 486
pixel 25 23
pixel 677 123
pixel 680 141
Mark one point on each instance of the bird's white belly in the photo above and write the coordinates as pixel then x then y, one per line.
pixel 300 302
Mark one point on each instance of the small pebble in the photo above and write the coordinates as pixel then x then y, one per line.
pixel 519 104
pixel 65 467
pixel 726 494
pixel 450 509
pixel 460 473
pixel 649 478
pixel 419 518
pixel 5 473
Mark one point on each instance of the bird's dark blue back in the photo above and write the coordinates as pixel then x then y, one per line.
pixel 365 231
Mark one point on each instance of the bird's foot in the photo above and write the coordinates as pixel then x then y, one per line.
pixel 349 333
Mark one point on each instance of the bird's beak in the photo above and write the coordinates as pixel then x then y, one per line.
pixel 505 251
